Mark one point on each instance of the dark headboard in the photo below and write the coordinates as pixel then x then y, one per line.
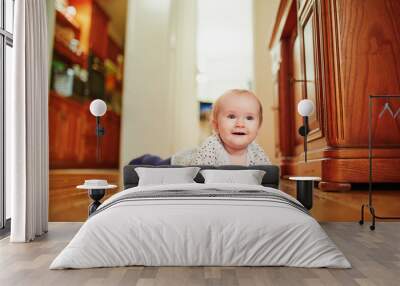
pixel 270 179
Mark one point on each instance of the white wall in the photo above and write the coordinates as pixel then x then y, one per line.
pixel 183 72
pixel 159 113
pixel 264 18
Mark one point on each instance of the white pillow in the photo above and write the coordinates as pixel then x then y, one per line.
pixel 162 176
pixel 248 177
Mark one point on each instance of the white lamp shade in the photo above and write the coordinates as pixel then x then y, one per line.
pixel 98 107
pixel 305 107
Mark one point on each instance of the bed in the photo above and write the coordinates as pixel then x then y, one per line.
pixel 201 224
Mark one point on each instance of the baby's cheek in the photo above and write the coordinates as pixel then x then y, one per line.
pixel 254 126
pixel 254 131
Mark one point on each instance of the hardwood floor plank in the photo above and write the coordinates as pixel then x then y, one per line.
pixel 131 276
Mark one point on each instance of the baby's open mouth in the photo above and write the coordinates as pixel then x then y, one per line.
pixel 238 133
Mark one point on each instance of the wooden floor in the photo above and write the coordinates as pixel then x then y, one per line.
pixel 346 205
pixel 374 255
pixel 66 203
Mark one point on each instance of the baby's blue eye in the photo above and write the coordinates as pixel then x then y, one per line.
pixel 250 118
pixel 231 116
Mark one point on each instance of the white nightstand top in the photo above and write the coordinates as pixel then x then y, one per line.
pixel 95 187
pixel 95 184
pixel 305 178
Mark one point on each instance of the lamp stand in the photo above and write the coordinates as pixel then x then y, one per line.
pixel 99 133
pixel 305 123
pixel 303 131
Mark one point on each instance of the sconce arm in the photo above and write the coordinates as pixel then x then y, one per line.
pixel 100 131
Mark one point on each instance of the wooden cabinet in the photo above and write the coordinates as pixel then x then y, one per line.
pixel 310 75
pixel 66 31
pixel 94 27
pixel 337 53
pixel 64 133
pixel 98 32
pixel 72 135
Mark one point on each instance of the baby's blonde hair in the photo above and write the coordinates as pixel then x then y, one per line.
pixel 242 92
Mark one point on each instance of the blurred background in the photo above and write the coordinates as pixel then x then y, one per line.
pixel 159 65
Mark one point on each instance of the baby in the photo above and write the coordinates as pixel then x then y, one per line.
pixel 236 118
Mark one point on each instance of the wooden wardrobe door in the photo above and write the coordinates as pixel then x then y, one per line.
pixel 309 35
pixel 296 86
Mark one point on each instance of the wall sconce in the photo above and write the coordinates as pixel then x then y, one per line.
pixel 305 108
pixel 98 108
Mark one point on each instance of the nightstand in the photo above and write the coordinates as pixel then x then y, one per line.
pixel 304 190
pixel 96 191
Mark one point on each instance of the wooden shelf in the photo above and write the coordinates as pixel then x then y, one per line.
pixel 69 55
pixel 64 20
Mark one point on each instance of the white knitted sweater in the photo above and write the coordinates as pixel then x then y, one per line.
pixel 212 152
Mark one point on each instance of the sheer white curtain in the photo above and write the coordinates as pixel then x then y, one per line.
pixel 27 123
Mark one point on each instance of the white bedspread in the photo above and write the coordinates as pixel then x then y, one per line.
pixel 200 231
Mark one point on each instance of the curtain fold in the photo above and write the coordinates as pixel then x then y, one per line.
pixel 27 118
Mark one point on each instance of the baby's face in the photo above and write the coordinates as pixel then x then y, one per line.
pixel 238 121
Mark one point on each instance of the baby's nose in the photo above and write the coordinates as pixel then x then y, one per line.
pixel 239 122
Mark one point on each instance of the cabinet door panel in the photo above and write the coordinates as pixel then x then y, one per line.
pixel 369 64
pixel 296 87
pixel 309 31
pixel 72 135
pixel 309 67
pixel 98 32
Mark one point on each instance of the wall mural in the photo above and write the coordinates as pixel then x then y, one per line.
pixel 87 64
